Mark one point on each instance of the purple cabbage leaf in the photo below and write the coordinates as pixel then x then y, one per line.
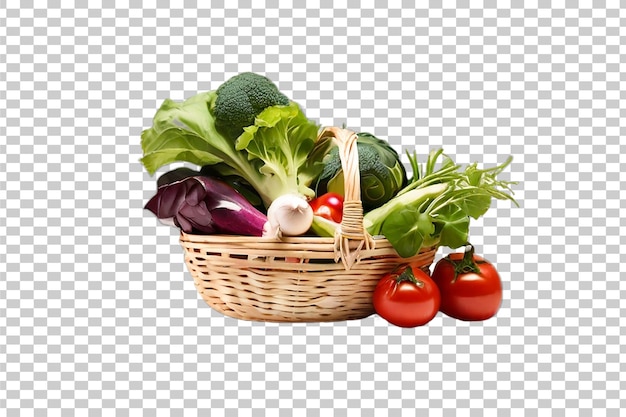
pixel 203 205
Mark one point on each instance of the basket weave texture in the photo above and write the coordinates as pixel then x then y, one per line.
pixel 299 279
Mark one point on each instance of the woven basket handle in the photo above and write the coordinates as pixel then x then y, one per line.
pixel 350 237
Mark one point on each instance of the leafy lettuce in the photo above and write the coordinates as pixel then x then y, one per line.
pixel 278 154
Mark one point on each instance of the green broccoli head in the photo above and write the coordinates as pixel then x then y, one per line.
pixel 240 99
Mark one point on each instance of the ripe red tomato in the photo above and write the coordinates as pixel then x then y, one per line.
pixel 328 206
pixel 470 286
pixel 407 297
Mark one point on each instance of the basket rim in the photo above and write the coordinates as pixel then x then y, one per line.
pixel 298 246
pixel 214 238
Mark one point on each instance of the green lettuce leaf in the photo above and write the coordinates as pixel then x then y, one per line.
pixel 277 155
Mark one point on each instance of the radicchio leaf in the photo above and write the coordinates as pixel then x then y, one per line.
pixel 205 205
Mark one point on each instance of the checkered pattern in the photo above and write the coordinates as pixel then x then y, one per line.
pixel 98 314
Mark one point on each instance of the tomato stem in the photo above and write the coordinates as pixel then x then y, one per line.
pixel 408 275
pixel 467 264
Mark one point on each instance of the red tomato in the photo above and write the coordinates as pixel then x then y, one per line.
pixel 470 286
pixel 328 206
pixel 407 297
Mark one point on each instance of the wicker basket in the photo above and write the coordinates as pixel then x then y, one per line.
pixel 299 279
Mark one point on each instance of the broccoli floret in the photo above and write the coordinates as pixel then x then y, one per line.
pixel 240 99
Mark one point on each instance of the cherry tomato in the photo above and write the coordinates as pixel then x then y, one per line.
pixel 470 286
pixel 328 206
pixel 407 297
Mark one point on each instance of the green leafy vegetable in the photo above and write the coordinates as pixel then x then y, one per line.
pixel 436 206
pixel 278 154
pixel 281 142
pixel 185 131
pixel 452 226
pixel 410 228
pixel 427 174
pixel 409 204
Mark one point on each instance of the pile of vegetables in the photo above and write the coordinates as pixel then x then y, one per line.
pixel 263 169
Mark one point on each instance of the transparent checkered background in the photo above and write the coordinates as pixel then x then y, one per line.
pixel 98 313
